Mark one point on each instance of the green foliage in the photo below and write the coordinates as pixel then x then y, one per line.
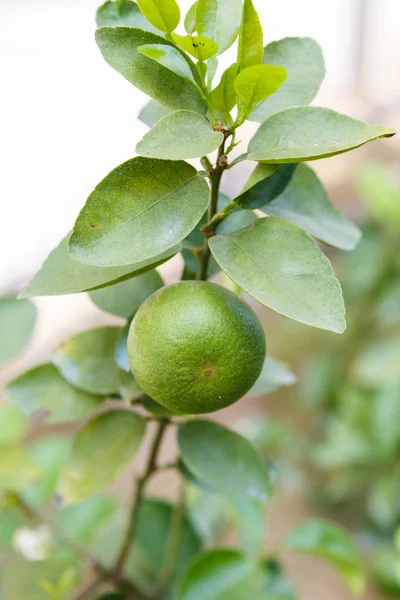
pixel 256 83
pixel 13 424
pixel 265 184
pixel 152 112
pixel 163 14
pixel 274 375
pixel 123 14
pixel 219 20
pixel 17 468
pixel 96 443
pixel 251 46
pixel 17 320
pixel 224 95
pixel 199 46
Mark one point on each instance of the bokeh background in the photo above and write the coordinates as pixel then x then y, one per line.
pixel 67 119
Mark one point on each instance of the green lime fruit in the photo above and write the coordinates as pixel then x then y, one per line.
pixel 195 347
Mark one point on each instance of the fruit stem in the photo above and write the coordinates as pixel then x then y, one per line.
pixel 151 467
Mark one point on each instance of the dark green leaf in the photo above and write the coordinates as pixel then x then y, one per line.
pixel 306 133
pixel 13 424
pixel 251 46
pixel 61 274
pixel 128 15
pixel 119 48
pixel 190 19
pixel 264 185
pixel 181 134
pixel 255 83
pixel 199 46
pixel 43 388
pixel 298 284
pixel 87 360
pixel 224 95
pixel 17 468
pixel 123 299
pixel 223 460
pixel 219 20
pixel 139 210
pixel 100 452
pixel 152 112
pixel 302 58
pixel 17 321
pixel 236 220
pixel 163 14
pixel 327 541
pixel 305 203
pixel 274 375
pixel 170 58
pixel 222 575
pixel 84 519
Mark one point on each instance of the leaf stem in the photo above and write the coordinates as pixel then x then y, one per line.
pixel 151 468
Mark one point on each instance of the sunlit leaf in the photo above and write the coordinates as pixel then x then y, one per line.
pixel 255 83
pixel 17 468
pixel 163 14
pixel 199 46
pixel 250 50
pixel 190 19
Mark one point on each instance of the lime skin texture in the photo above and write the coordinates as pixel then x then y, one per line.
pixel 195 347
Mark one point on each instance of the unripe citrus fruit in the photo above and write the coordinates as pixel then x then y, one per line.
pixel 195 347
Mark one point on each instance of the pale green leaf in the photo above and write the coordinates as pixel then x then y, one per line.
pixel 17 321
pixel 152 112
pixel 190 19
pixel 305 203
pixel 224 95
pixel 125 298
pixel 379 190
pixel 223 460
pixel 264 184
pixel 219 20
pixel 302 58
pixel 310 133
pixel 249 520
pixel 128 15
pixel 87 360
pixel 255 83
pixel 386 417
pixel 278 264
pixel 43 389
pixel 327 541
pixel 378 362
pixel 61 274
pixel 222 575
pixel 13 424
pixel 274 375
pixel 251 46
pixel 119 47
pixel 83 520
pixel 49 454
pixel 199 46
pixel 121 349
pixel 181 134
pixel 101 450
pixel 159 411
pixel 139 210
pixel 163 14
pixel 168 57
pixel 129 390
pixel 17 468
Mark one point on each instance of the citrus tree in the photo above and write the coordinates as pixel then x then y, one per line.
pixel 193 347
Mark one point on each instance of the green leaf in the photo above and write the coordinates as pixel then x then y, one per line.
pixel 309 133
pixel 151 544
pixel 119 47
pixel 222 575
pixel 386 418
pixel 264 185
pixel 249 519
pixel 87 360
pixel 168 57
pixel 219 20
pixel 128 388
pixel 222 459
pixel 190 19
pixel 280 266
pixel 327 541
pixel 251 46
pixel 378 362
pixel 379 191
pixel 17 321
pixel 139 210
pixel 305 203
pixel 17 468
pixel 83 520
pixel 224 95
pixel 304 63
pixel 100 452
pixel 255 83
pixel 207 513
pixel 163 14
pixel 237 219
pixel 49 454
pixel 13 424
pixel 199 46
pixel 125 298
pixel 274 375
pixel 181 134
pixel 61 274
pixel 152 112
pixel 121 349
pixel 278 586
pixel 386 570
pixel 128 15
pixel 43 389
pixel 159 411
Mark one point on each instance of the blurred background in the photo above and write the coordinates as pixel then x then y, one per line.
pixel 68 119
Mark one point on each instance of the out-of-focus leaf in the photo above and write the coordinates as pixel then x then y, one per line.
pixel 344 445
pixel 128 387
pixel 17 468
pixel 159 411
pixel 386 570
pixel 121 349
pixel 274 375
pixel 379 190
pixel 190 19
pixel 83 520
pixel 378 363
pixel 17 321
pixel 127 15
pixel 278 586
pixel 152 112
pixel 13 424
pixel 49 454
pixel 383 501
pixel 87 360
pixel 249 521
pixel 386 417
pixel 43 389
pixel 208 513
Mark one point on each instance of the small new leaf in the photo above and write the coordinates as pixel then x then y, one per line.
pixel 168 57
pixel 199 46
pixel 224 95
pixel 256 83
pixel 163 14
pixel 190 19
pixel 251 47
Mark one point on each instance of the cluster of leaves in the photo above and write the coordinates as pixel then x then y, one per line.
pixel 356 385
pixel 144 212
